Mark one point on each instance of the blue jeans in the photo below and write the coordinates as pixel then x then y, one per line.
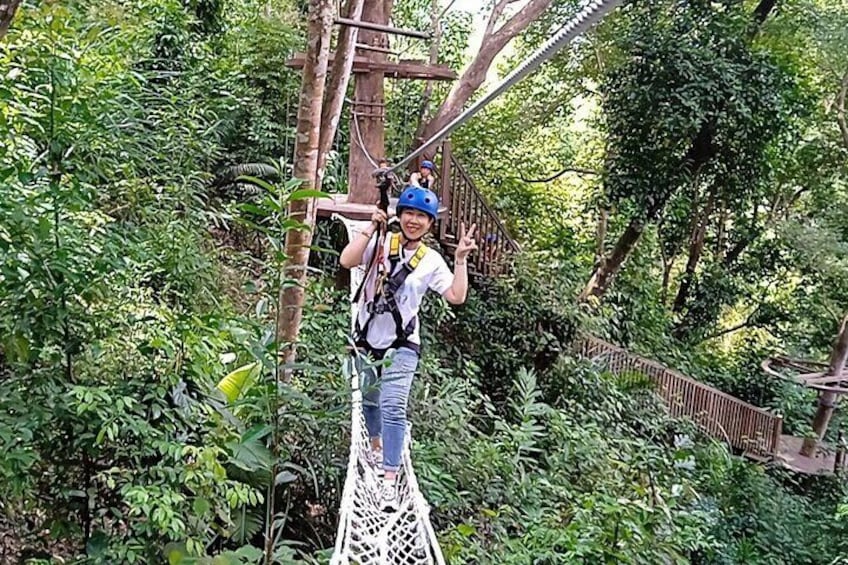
pixel 384 402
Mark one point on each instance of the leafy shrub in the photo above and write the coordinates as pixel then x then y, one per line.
pixel 516 321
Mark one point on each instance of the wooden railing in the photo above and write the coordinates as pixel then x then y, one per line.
pixel 465 204
pixel 753 430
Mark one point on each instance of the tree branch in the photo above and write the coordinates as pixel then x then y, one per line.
pixel 497 11
pixel 474 76
pixel 7 14
pixel 578 170
pixel 523 18
pixel 762 11
pixel 729 330
pixel 446 8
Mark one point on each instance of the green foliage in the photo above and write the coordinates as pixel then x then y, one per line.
pixel 509 323
pixel 238 380
pixel 133 294
pixel 766 523
pixel 406 102
pixel 110 313
pixel 260 118
pixel 545 484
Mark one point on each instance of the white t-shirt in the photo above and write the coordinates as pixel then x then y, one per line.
pixel 431 273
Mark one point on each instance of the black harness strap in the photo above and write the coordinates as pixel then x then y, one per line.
pixel 386 180
pixel 387 300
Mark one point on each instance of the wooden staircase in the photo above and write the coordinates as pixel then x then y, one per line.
pixel 466 205
pixel 461 203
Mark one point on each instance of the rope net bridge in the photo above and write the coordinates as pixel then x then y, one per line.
pixel 366 534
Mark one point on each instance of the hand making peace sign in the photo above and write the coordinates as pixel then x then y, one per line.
pixel 467 244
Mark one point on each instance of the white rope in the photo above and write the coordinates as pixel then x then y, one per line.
pixel 359 140
pixel 367 535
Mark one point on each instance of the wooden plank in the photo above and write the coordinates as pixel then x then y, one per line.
pixel 401 69
pixel 777 432
pixel 736 419
pixel 375 48
pixel 445 189
pixel 382 28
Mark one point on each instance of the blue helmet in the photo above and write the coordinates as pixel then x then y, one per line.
pixel 417 198
pixel 428 165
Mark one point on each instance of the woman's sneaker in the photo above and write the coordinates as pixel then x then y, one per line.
pixel 389 496
pixel 374 457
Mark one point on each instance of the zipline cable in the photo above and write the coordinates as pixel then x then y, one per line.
pixel 592 13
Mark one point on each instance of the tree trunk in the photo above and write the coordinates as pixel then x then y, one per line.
pixel 827 400
pixel 840 110
pixel 607 269
pixel 696 249
pixel 668 264
pixel 601 236
pixel 7 14
pixel 721 234
pixel 367 128
pixel 696 316
pixel 700 151
pixel 290 308
pixel 337 86
pixel 493 43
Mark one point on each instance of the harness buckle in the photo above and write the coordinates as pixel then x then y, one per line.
pixel 379 307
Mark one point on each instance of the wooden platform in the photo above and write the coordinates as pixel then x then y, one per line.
pixel 338 204
pixel 789 455
pixel 401 69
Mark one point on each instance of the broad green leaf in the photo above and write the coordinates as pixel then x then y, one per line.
pixel 307 193
pixel 238 381
pixel 251 456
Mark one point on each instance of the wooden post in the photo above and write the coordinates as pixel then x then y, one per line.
pixel 444 187
pixel 367 127
pixel 778 431
pixel 827 400
pixel 839 460
pixel 381 28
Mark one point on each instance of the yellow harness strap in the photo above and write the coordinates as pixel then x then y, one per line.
pixel 394 252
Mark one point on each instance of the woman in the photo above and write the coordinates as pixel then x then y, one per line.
pixel 387 323
pixel 425 177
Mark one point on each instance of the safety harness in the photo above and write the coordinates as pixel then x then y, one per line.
pixel 385 299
